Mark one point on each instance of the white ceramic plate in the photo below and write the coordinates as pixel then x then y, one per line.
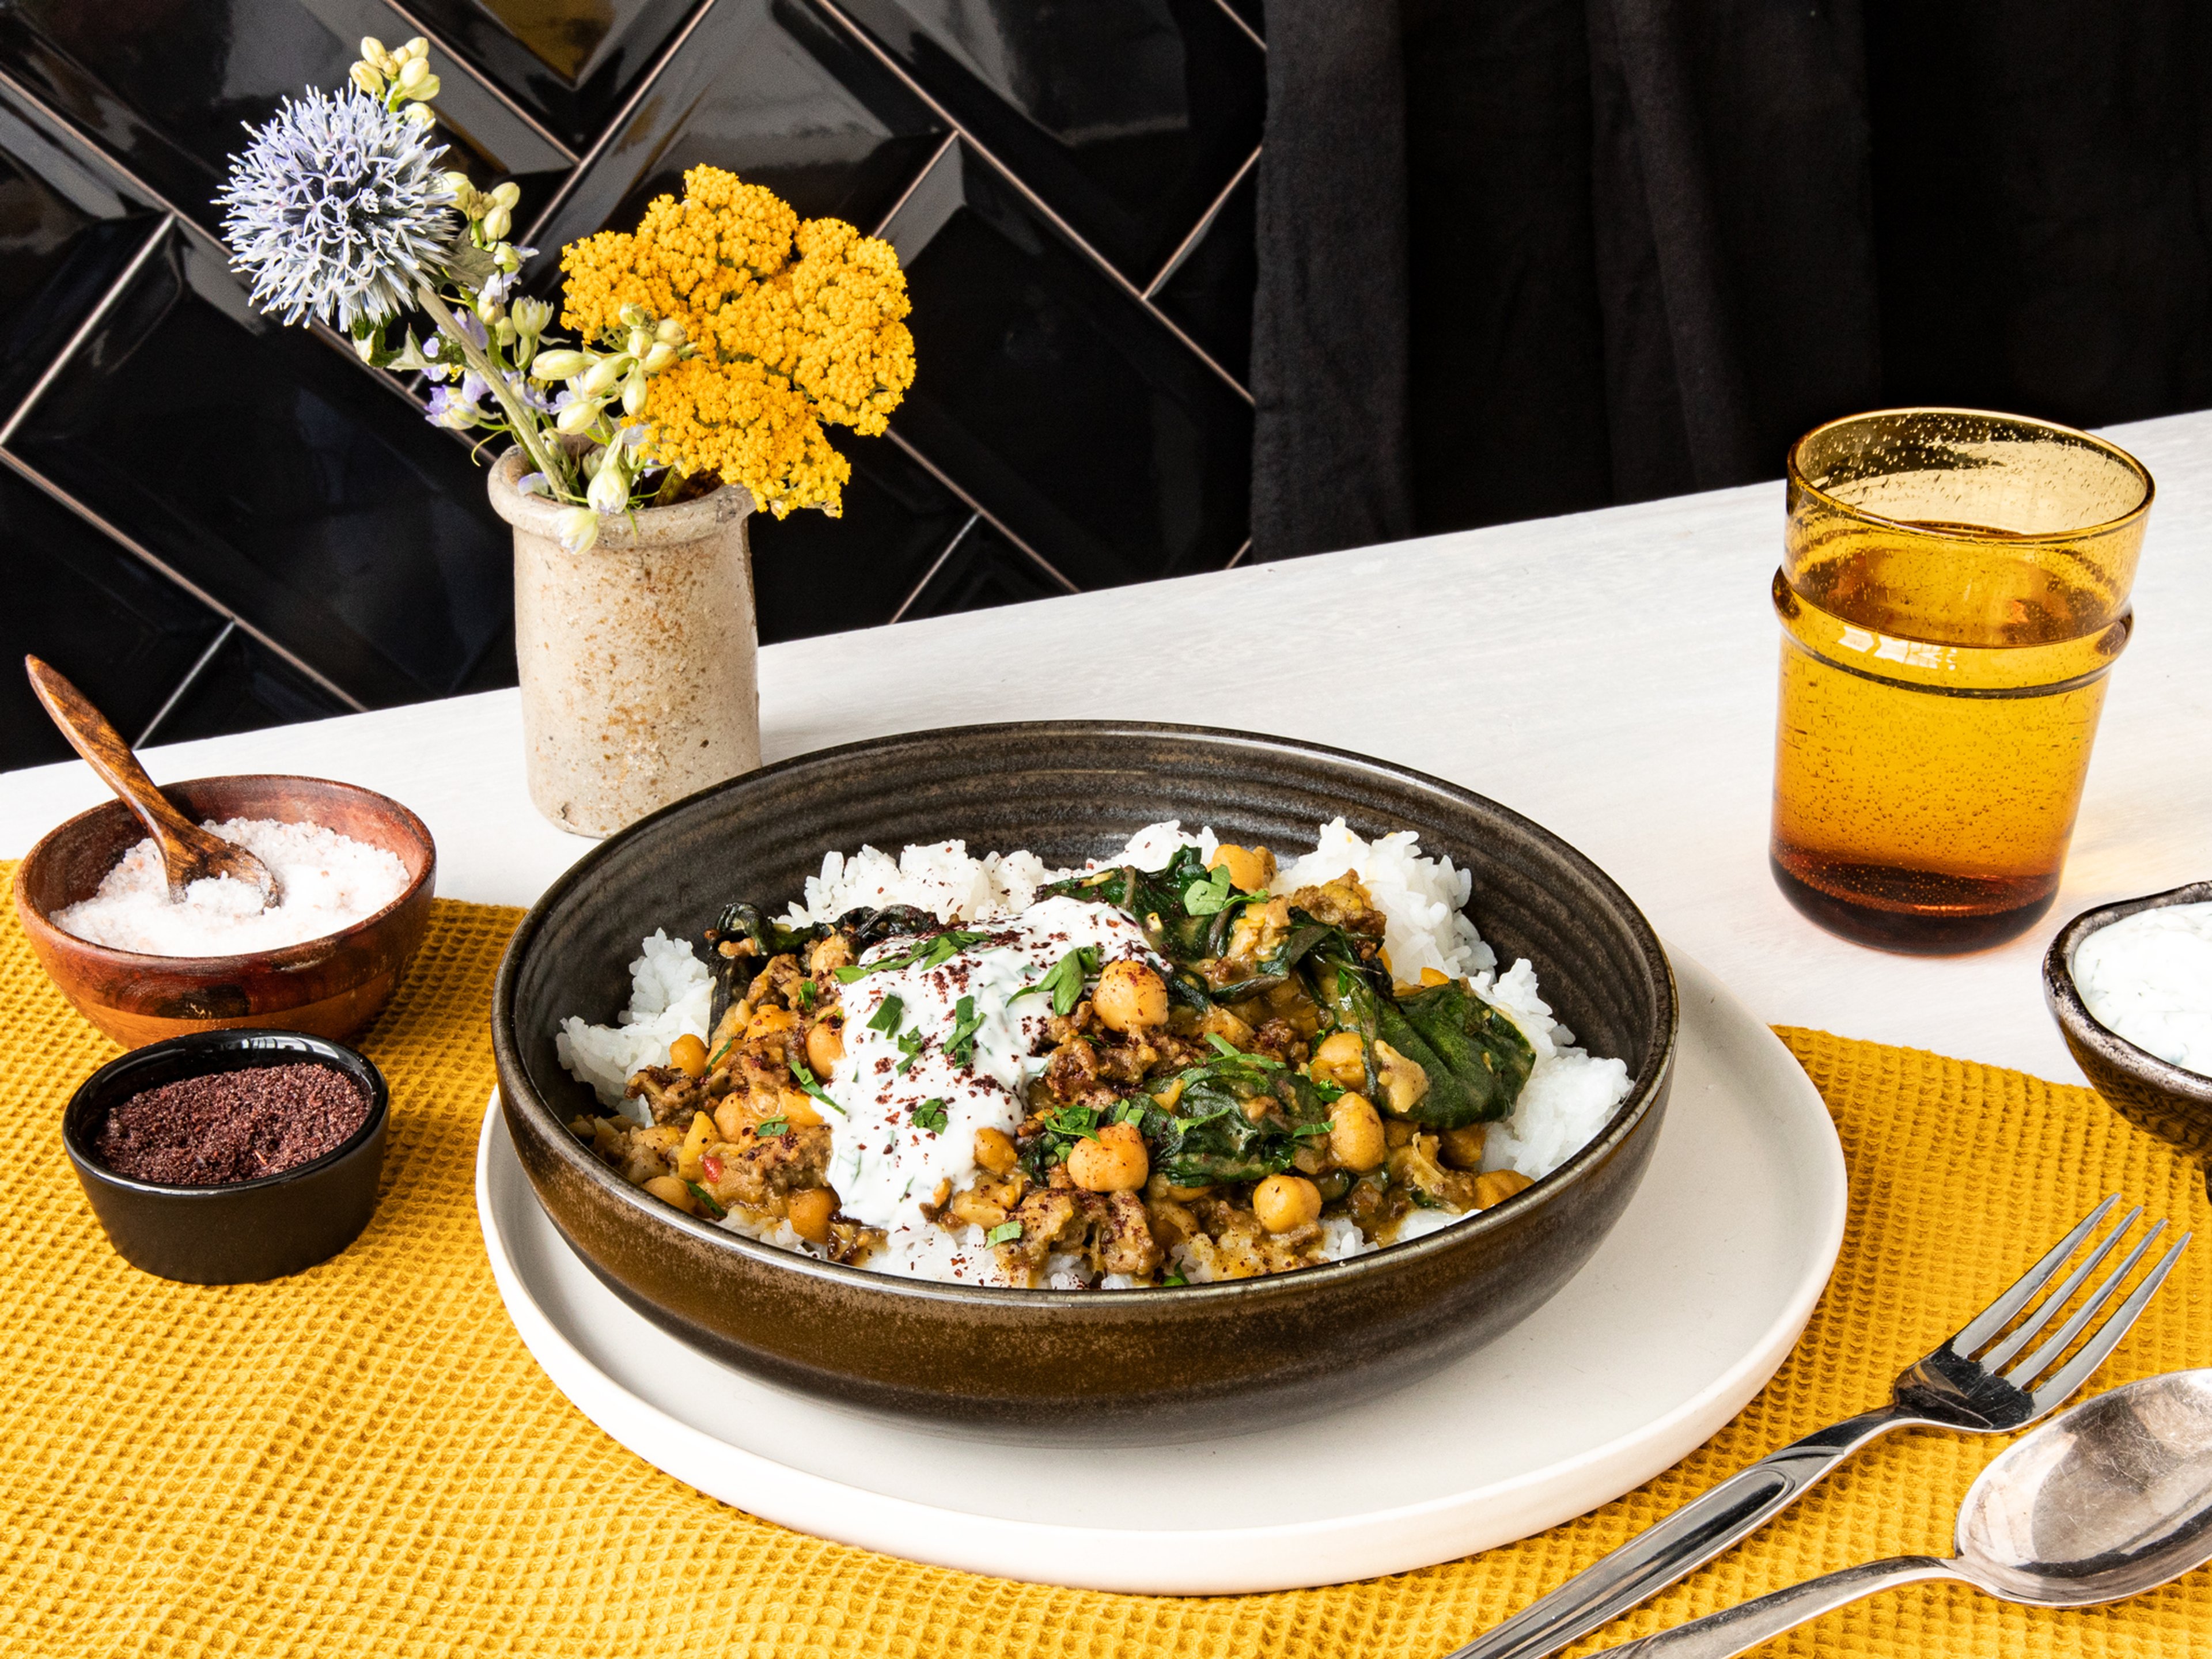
pixel 1678 1319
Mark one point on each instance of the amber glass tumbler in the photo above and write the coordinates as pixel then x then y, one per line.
pixel 1954 589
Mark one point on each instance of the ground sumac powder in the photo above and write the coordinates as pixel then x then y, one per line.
pixel 231 1126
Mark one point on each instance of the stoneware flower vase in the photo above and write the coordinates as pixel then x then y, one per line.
pixel 637 654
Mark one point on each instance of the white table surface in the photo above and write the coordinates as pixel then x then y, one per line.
pixel 1610 674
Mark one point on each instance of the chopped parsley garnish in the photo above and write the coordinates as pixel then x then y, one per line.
pixel 1210 895
pixel 1064 980
pixel 930 953
pixel 718 1053
pixel 966 1022
pixel 888 1016
pixel 1175 1278
pixel 771 1126
pixel 930 1115
pixel 707 1199
pixel 1330 1093
pixel 1074 1121
pixel 803 1075
pixel 1310 1129
pixel 806 993
pixel 1005 1233
pixel 1230 1051
pixel 909 1044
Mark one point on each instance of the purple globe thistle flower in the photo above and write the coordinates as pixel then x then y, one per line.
pixel 337 210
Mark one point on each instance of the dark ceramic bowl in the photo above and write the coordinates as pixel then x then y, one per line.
pixel 2154 1094
pixel 329 987
pixel 250 1230
pixel 1129 1366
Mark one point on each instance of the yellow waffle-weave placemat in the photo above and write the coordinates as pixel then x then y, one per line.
pixel 364 1459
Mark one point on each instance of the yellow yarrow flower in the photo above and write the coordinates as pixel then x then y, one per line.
pixel 797 324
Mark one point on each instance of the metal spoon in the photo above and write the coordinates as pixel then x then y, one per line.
pixel 2107 1500
pixel 189 853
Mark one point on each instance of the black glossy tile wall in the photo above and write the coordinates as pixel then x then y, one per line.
pixel 232 524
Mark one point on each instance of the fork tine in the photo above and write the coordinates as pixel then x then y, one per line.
pixel 1994 1360
pixel 1994 1318
pixel 2029 1369
pixel 2076 1369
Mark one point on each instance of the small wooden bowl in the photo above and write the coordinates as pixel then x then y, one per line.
pixel 329 987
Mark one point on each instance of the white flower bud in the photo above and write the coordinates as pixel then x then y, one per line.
pixel 505 333
pixel 509 195
pixel 557 365
pixel 373 50
pixel 420 115
pixel 635 315
pixel 418 49
pixel 504 255
pixel 604 374
pixel 414 73
pixel 610 490
pixel 633 393
pixel 671 331
pixel 498 222
pixel 426 88
pixel 366 77
pixel 579 528
pixel 639 342
pixel 578 417
pixel 531 316
pixel 658 358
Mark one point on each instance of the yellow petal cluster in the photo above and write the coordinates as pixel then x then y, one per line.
pixel 797 324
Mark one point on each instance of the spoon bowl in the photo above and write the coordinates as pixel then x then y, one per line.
pixel 2106 1500
pixel 2110 1499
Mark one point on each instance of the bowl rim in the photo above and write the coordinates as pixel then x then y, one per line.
pixel 1645 1089
pixel 278 957
pixel 2063 997
pixel 304 1048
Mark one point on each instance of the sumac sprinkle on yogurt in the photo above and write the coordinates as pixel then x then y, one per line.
pixel 229 1127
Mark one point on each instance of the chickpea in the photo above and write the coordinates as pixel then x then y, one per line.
pixel 1404 1081
pixel 1498 1186
pixel 688 1055
pixel 1114 1163
pixel 1355 1133
pixel 1462 1148
pixel 1286 1203
pixel 798 1109
pixel 825 1047
pixel 1249 868
pixel 810 1213
pixel 1130 996
pixel 1342 1059
pixel 766 1022
pixel 669 1190
pixel 994 1151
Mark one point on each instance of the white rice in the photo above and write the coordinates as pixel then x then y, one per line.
pixel 1569 1098
pixel 670 994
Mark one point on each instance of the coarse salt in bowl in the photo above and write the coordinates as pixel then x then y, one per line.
pixel 327 882
pixel 330 985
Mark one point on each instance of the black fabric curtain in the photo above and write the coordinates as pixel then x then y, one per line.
pixel 1526 257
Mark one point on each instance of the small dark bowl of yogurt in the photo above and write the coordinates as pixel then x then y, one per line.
pixel 227 1156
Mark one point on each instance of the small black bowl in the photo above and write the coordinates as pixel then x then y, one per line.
pixel 2156 1096
pixel 249 1230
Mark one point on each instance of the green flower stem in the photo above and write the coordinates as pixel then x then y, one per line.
pixel 520 420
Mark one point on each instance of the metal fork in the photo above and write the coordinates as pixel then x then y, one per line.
pixel 1964 1384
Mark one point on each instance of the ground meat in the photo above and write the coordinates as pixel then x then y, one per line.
pixel 757 1170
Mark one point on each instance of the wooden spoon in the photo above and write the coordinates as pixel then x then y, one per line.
pixel 189 852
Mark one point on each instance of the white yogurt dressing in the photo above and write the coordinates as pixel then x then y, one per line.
pixel 884 1165
pixel 2148 977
